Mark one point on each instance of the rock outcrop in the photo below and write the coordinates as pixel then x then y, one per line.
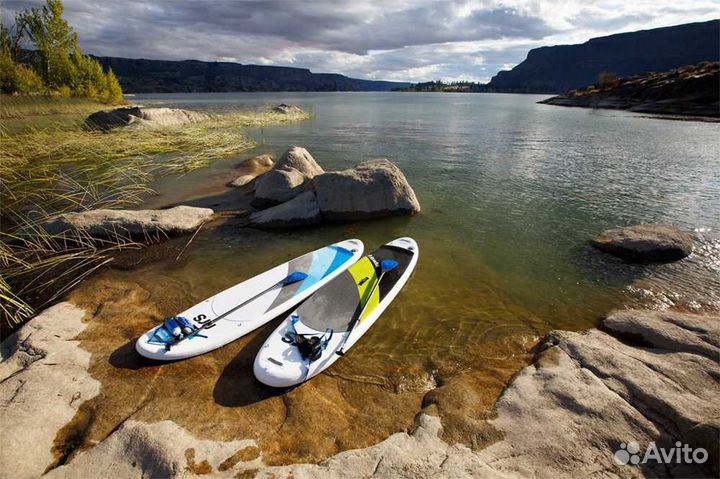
pixel 372 189
pixel 140 116
pixel 288 109
pixel 688 91
pixel 132 223
pixel 252 168
pixel 289 177
pixel 43 382
pixel 645 243
pixel 586 396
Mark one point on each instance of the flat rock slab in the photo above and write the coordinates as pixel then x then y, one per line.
pixel 162 449
pixel 645 243
pixel 146 117
pixel 132 223
pixel 43 382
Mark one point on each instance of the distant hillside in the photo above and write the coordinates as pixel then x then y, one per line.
pixel 566 67
pixel 692 90
pixel 453 87
pixel 161 76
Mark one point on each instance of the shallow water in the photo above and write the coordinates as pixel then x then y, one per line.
pixel 511 192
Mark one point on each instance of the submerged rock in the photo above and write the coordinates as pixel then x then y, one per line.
pixel 132 223
pixel 289 177
pixel 288 109
pixel 372 189
pixel 149 117
pixel 299 211
pixel 646 243
pixel 252 168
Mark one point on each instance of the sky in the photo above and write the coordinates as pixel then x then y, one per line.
pixel 381 40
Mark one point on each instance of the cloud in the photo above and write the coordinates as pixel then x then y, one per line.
pixel 401 40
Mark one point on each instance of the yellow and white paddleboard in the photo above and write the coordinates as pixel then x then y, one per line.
pixel 337 315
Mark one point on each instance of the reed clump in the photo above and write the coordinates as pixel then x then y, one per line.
pixel 68 167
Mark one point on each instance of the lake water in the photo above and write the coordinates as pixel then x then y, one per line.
pixel 511 192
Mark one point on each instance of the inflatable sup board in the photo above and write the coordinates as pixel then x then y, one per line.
pixel 332 320
pixel 245 307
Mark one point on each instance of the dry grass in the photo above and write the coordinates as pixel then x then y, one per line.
pixel 68 167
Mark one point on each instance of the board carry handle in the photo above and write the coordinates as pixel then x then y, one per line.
pixel 385 266
pixel 293 277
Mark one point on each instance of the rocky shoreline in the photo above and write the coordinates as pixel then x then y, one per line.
pixel 689 92
pixel 642 376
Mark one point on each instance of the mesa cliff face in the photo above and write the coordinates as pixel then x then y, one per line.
pixel 161 76
pixel 566 67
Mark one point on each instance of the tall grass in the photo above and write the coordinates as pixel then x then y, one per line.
pixel 65 167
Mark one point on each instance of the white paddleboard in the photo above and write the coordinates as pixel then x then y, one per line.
pixel 273 299
pixel 331 313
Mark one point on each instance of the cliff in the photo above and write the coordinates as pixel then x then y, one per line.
pixel 161 76
pixel 561 68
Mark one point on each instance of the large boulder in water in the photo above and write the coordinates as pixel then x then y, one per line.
pixel 129 223
pixel 372 189
pixel 645 243
pixel 300 211
pixel 289 177
pixel 140 116
pixel 252 168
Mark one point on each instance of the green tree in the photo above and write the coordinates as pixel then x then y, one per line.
pixel 62 66
pixel 28 81
pixel 607 79
pixel 54 40
pixel 8 74
pixel 113 91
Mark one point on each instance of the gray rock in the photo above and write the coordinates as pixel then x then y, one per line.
pixel 129 223
pixel 299 211
pixel 370 190
pixel 645 243
pixel 162 449
pixel 289 177
pixel 288 109
pixel 140 116
pixel 252 168
pixel 43 382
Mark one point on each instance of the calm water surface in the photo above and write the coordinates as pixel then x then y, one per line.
pixel 511 192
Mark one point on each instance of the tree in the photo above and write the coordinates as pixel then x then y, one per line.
pixel 54 40
pixel 607 79
pixel 61 66
pixel 113 91
pixel 27 80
